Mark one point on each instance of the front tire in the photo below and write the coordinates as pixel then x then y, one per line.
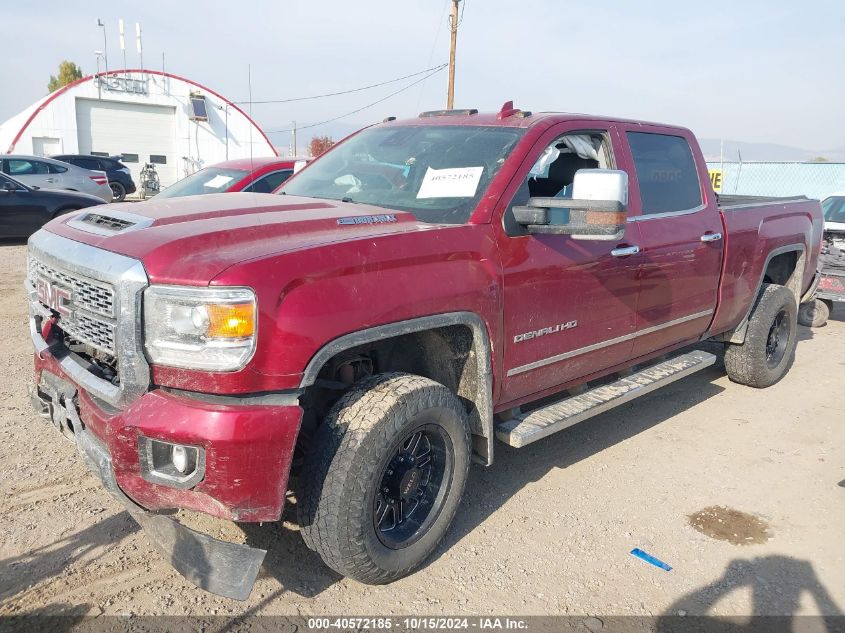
pixel 769 348
pixel 385 476
pixel 814 313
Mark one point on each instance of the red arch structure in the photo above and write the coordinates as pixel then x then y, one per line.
pixel 53 96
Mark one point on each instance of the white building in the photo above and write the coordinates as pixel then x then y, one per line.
pixel 146 116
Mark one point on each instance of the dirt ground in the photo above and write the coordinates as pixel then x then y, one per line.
pixel 547 530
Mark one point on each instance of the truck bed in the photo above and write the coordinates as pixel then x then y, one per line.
pixel 756 229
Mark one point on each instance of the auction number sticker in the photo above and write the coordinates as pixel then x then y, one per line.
pixel 459 182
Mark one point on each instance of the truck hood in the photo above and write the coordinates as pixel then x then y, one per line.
pixel 193 239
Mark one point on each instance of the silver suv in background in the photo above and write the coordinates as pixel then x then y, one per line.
pixel 47 173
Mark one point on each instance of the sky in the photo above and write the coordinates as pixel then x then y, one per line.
pixel 759 71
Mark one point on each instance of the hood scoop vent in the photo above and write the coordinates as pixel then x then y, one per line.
pixel 111 223
pixel 115 224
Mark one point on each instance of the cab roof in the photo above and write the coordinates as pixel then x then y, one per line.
pixel 507 116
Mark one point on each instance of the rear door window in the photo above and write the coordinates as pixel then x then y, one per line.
pixel 270 182
pixel 666 173
pixel 87 163
pixel 21 167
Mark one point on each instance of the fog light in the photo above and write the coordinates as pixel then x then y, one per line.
pixel 179 455
pixel 177 465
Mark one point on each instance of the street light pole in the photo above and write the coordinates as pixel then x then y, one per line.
pixel 105 44
pixel 453 27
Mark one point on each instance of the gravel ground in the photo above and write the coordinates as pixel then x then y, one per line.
pixel 547 530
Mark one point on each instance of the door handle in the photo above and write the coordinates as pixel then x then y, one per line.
pixel 624 251
pixel 51 180
pixel 711 237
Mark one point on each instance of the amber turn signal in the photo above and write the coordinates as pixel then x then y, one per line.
pixel 236 320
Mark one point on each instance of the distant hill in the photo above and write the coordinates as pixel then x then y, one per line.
pixel 765 152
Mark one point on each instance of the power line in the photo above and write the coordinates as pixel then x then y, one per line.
pixel 346 92
pixel 369 105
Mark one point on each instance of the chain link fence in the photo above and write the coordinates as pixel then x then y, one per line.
pixel 814 180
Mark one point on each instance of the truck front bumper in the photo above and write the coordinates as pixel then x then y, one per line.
pixel 247 447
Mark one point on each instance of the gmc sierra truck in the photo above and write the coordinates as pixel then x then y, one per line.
pixel 425 288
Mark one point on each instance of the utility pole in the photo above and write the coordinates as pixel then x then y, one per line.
pixel 294 138
pixel 453 27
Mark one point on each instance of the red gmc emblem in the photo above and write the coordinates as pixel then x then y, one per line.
pixel 53 296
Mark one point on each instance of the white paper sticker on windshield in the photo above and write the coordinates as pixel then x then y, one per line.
pixel 218 181
pixel 460 182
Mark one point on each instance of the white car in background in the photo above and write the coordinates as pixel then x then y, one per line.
pixel 833 209
pixel 47 173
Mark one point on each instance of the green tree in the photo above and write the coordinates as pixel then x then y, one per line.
pixel 68 73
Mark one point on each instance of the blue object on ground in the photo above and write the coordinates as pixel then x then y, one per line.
pixel 650 559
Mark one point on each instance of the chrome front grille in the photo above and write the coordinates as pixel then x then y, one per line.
pixel 95 332
pixel 84 309
pixel 88 294
pixel 94 297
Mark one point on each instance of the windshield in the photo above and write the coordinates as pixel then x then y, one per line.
pixel 208 180
pixel 833 209
pixel 438 173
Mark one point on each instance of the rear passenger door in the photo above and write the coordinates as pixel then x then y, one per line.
pixel 680 238
pixel 32 172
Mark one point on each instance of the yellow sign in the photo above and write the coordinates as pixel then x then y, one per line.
pixel 716 179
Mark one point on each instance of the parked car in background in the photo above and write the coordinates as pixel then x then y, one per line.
pixel 23 210
pixel 831 288
pixel 120 179
pixel 47 173
pixel 833 209
pixel 258 175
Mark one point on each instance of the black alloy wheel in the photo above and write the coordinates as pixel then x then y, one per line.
pixel 412 491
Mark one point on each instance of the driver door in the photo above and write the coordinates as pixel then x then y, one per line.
pixel 570 305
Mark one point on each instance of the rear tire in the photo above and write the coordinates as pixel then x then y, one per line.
pixel 769 348
pixel 814 313
pixel 118 192
pixel 385 477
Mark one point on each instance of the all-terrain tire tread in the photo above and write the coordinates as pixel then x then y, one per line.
pixel 332 470
pixel 746 362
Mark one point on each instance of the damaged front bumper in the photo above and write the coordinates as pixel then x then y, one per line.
pixel 223 568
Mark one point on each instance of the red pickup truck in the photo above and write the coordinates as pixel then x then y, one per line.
pixel 426 287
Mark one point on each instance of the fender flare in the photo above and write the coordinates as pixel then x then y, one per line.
pixel 737 334
pixel 481 420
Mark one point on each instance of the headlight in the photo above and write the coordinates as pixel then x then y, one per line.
pixel 199 328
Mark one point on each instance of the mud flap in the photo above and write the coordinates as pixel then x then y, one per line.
pixel 226 569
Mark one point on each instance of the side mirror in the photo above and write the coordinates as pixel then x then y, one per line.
pixel 596 211
pixel 9 186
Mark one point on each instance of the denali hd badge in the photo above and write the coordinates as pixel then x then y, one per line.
pixel 368 219
pixel 53 296
pixel 560 327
